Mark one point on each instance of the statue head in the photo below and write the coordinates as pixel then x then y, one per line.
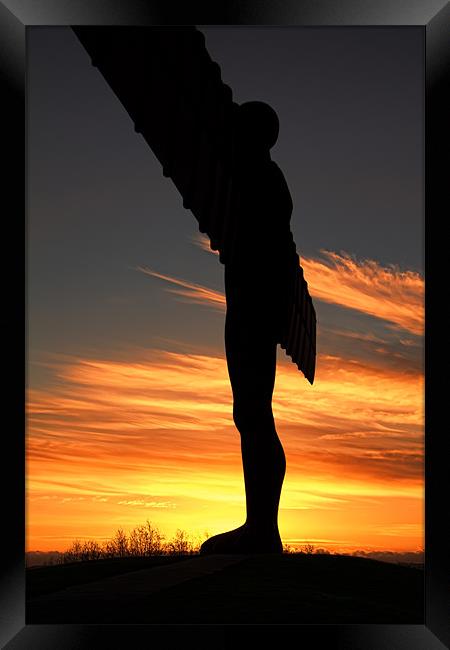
pixel 257 124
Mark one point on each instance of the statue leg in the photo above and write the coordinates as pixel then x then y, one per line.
pixel 250 344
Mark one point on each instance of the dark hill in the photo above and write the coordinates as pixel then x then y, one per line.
pixel 289 588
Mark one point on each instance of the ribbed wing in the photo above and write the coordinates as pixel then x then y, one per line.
pixel 174 94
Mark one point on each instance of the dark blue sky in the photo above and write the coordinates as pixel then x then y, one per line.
pixel 350 104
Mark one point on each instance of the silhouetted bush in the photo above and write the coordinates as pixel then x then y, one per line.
pixel 73 553
pixel 119 544
pixel 144 540
pixel 180 544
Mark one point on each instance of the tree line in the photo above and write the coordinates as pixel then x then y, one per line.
pixel 143 541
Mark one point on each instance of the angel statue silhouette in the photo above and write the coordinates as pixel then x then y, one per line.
pixel 217 153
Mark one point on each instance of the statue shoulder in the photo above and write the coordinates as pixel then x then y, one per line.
pixel 282 190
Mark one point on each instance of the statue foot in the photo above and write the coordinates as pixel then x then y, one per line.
pixel 243 540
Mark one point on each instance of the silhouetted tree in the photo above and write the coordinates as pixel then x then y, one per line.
pixel 73 553
pixel 145 540
pixel 91 550
pixel 180 544
pixel 120 544
pixel 142 541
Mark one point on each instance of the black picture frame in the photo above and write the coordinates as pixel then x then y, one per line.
pixel 434 17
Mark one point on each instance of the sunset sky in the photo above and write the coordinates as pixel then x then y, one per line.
pixel 129 403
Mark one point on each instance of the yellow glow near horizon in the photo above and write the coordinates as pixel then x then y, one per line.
pixel 114 443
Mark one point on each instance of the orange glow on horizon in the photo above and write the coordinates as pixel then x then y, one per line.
pixel 112 443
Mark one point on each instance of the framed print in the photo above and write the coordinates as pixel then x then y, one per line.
pixel 130 431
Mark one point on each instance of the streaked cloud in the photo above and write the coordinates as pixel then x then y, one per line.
pixel 193 292
pixel 108 434
pixel 382 291
pixel 203 242
pixel 147 504
pixel 385 292
pixel 119 403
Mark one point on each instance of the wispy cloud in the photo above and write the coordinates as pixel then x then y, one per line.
pixel 203 242
pixel 195 293
pixel 392 296
pixel 178 408
pixel 384 292
pixel 146 504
